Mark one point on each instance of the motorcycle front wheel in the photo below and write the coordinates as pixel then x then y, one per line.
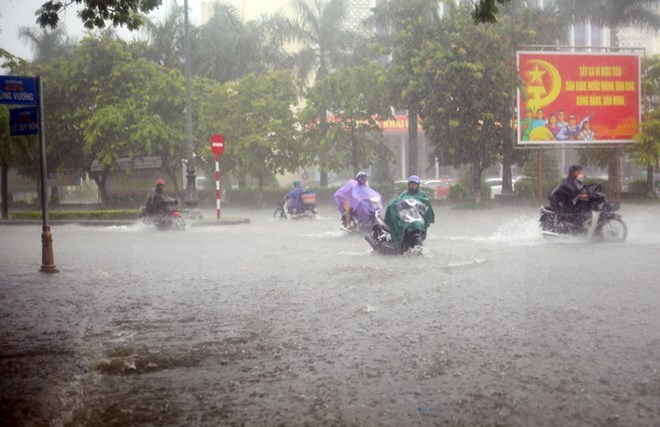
pixel 279 213
pixel 177 223
pixel 612 230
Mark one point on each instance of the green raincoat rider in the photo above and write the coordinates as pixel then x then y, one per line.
pixel 392 219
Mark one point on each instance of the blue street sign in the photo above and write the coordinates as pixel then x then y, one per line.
pixel 18 90
pixel 24 121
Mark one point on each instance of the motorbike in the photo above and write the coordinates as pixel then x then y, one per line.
pixel 410 213
pixel 363 216
pixel 169 219
pixel 598 219
pixel 307 210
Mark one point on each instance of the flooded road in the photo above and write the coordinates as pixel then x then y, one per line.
pixel 298 323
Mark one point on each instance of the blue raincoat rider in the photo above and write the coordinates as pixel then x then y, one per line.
pixel 295 198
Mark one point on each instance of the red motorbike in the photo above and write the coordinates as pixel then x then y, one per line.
pixel 169 219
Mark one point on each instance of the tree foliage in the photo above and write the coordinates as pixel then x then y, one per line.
pixel 325 44
pixel 485 11
pixel 318 29
pixel 255 117
pixel 226 48
pixel 97 13
pixel 613 14
pixel 471 82
pixel 406 29
pixel 357 99
pixel 140 116
pixel 646 150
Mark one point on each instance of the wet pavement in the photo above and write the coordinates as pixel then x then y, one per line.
pixel 298 323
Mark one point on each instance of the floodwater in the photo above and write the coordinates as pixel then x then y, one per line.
pixel 297 323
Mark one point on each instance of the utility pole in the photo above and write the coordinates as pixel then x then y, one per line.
pixel 191 199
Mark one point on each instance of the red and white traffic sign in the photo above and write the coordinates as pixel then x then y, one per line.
pixel 217 144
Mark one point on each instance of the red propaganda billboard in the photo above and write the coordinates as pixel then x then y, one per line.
pixel 578 98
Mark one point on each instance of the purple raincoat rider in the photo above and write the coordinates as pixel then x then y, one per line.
pixel 355 195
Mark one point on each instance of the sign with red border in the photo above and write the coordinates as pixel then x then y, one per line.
pixel 578 98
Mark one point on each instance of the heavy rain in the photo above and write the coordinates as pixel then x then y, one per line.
pixel 299 323
pixel 155 270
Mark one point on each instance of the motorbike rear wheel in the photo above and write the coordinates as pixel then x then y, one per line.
pixel 352 223
pixel 309 213
pixel 612 230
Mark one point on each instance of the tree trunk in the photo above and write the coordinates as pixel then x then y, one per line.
pixel 412 141
pixel 476 181
pixel 649 178
pixel 323 121
pixel 354 154
pixel 260 193
pixel 171 175
pixel 5 191
pixel 100 181
pixel 613 175
pixel 507 182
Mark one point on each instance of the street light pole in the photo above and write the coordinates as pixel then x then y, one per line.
pixel 191 188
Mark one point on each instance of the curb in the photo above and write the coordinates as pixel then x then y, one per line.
pixel 109 223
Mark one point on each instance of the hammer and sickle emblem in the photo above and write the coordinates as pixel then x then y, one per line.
pixel 539 96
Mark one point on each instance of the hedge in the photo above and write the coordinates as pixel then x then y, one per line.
pixel 127 214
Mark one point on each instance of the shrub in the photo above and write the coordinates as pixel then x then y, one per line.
pixel 639 186
pixel 526 187
pixel 459 191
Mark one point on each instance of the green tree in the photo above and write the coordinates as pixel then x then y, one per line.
pixel 5 159
pixel 256 119
pixel 405 28
pixel 525 24
pixel 140 116
pixel 646 150
pixel 613 14
pixel 84 91
pixel 486 10
pixel 165 39
pixel 11 62
pixel 96 13
pixel 18 152
pixel 46 45
pixel 325 45
pixel 470 81
pixel 357 99
pixel 228 48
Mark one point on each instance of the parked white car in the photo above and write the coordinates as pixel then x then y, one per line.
pixel 495 185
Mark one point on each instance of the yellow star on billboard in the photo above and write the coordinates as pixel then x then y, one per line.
pixel 536 75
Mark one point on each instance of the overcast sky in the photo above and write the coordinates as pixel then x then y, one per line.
pixel 20 13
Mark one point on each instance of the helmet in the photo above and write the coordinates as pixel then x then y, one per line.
pixel 414 178
pixel 361 174
pixel 296 183
pixel 574 168
pixel 160 182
